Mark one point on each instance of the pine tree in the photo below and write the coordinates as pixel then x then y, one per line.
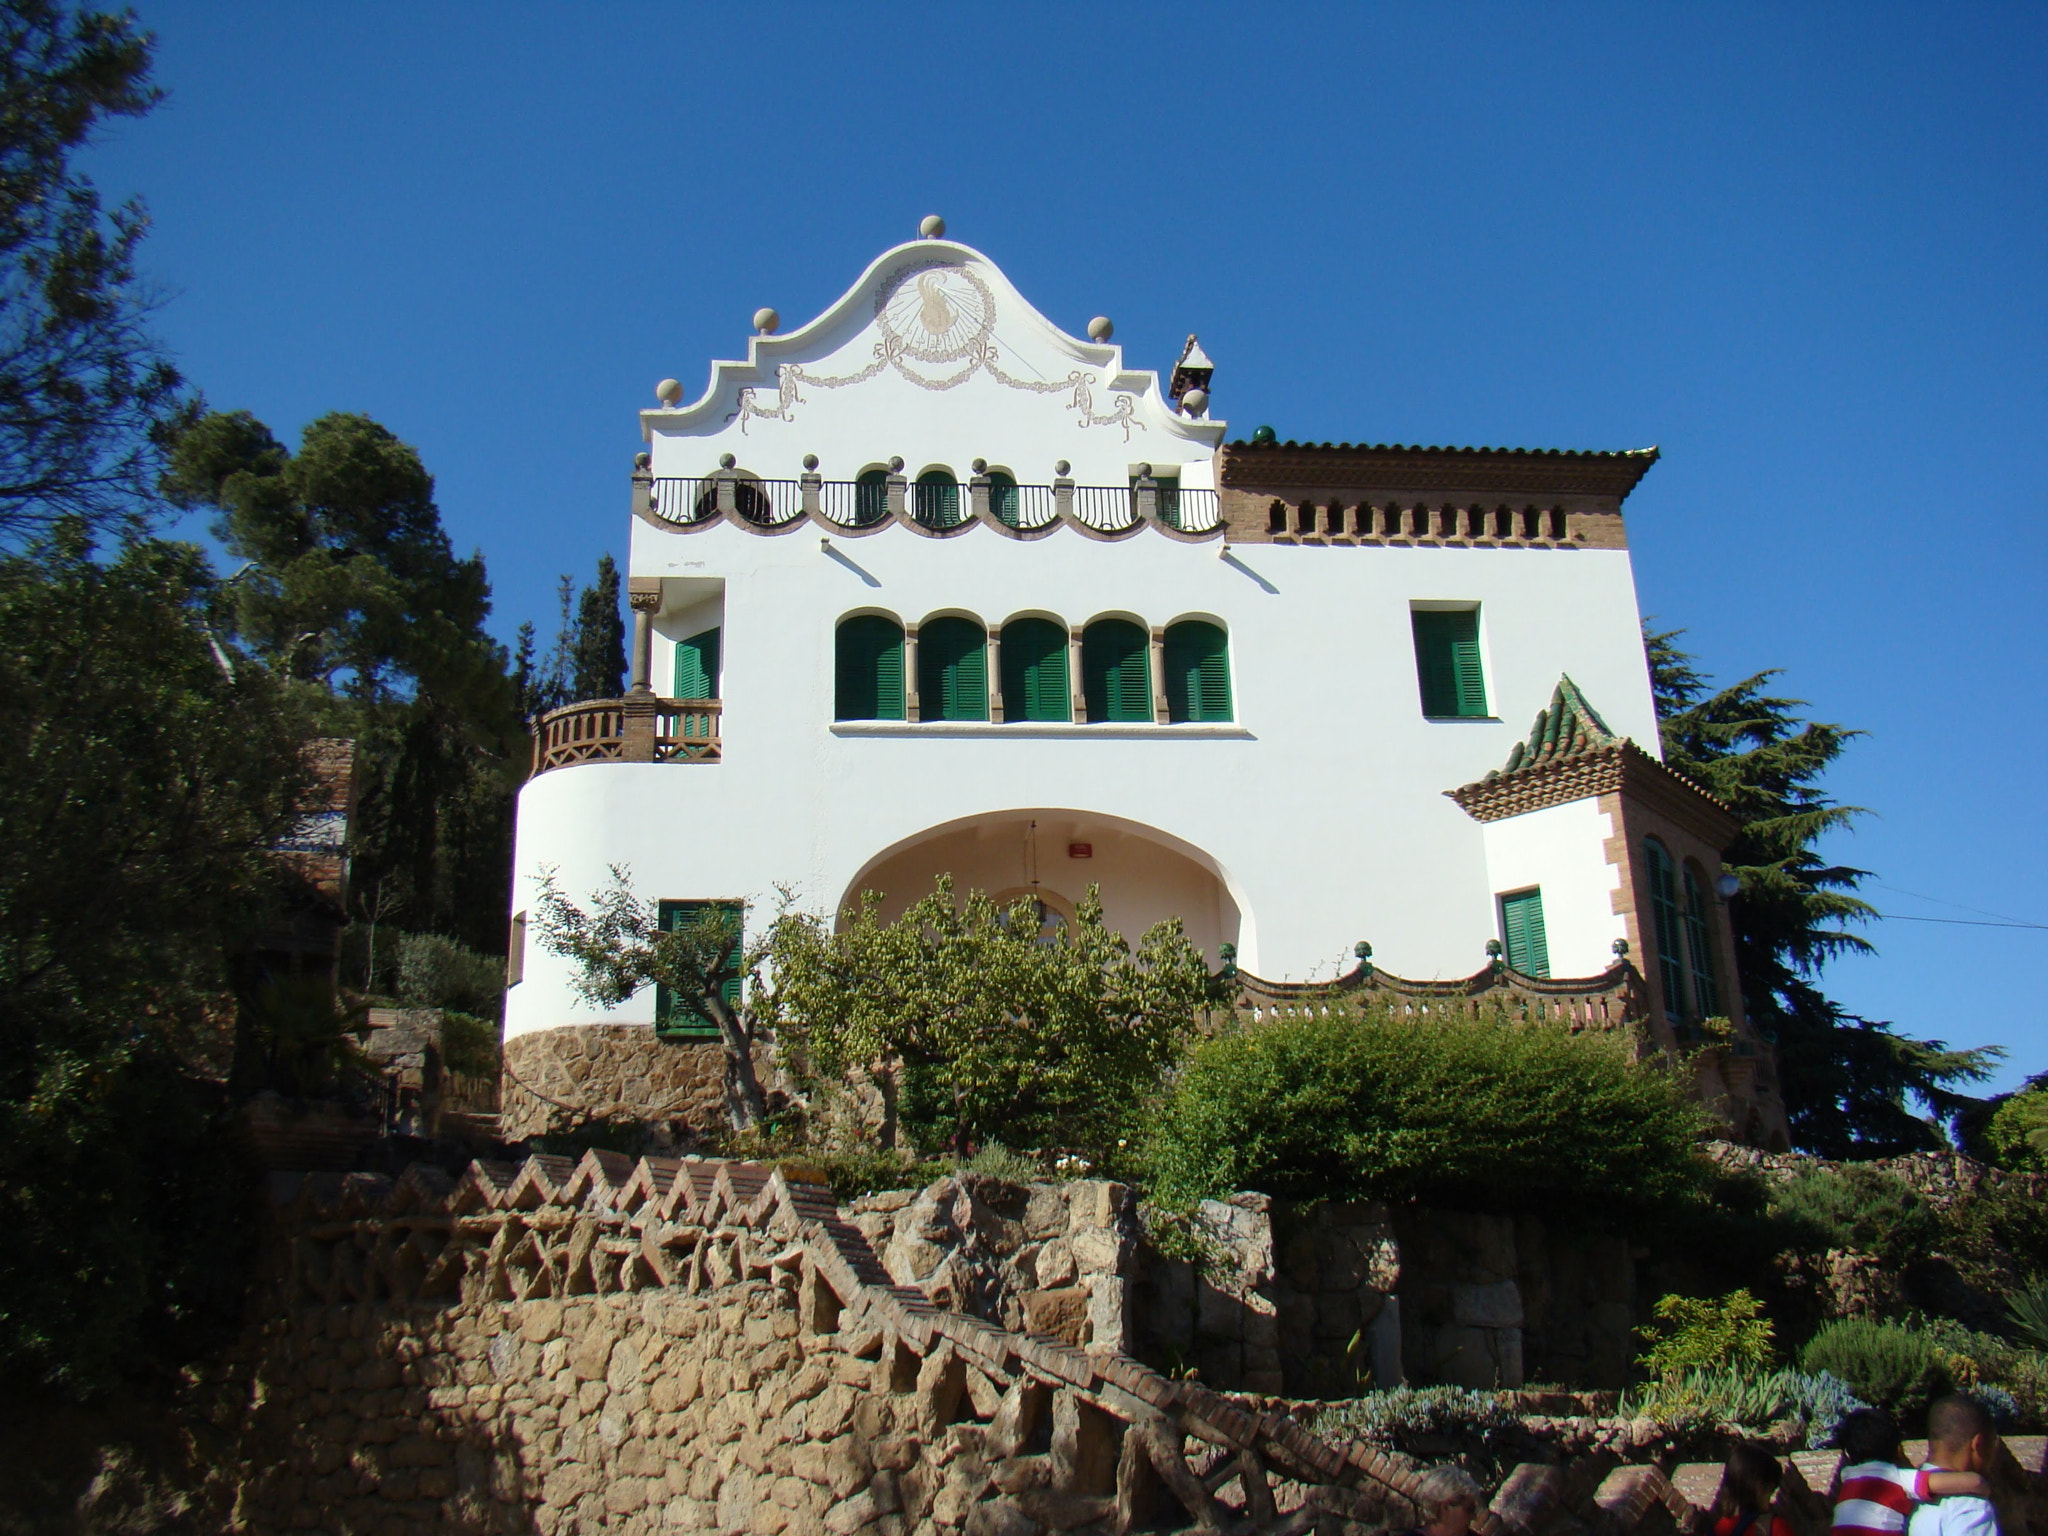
pixel 1849 1082
pixel 600 647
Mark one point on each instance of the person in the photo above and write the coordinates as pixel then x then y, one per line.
pixel 1749 1486
pixel 1879 1490
pixel 1448 1501
pixel 1959 1439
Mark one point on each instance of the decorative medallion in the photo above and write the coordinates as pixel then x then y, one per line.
pixel 937 312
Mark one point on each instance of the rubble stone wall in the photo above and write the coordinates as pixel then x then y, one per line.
pixel 558 1079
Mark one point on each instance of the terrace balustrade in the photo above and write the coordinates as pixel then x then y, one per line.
pixel 855 504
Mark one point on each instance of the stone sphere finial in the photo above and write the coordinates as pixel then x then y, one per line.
pixel 767 322
pixel 1100 328
pixel 1195 402
pixel 1144 471
pixel 931 226
pixel 1265 435
pixel 669 391
pixel 642 460
pixel 1063 468
pixel 981 466
pixel 810 461
pixel 896 464
pixel 726 461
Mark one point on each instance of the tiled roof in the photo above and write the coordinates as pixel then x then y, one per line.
pixel 1567 727
pixel 1648 455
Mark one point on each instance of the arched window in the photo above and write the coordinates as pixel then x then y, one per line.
pixel 869 664
pixel 952 670
pixel 938 499
pixel 1035 685
pixel 1116 671
pixel 1666 927
pixel 1004 501
pixel 1197 672
pixel 870 497
pixel 1699 945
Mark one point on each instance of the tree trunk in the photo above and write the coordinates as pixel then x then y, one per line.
pixel 745 1105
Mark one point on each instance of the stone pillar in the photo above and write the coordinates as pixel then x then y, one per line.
pixel 1074 667
pixel 1161 715
pixel 810 484
pixel 911 708
pixel 995 672
pixel 643 595
pixel 1063 496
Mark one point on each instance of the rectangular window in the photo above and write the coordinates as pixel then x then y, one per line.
pixel 1447 663
pixel 515 951
pixel 1521 931
pixel 697 667
pixel 680 1017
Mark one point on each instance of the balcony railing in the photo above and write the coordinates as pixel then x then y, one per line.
pixel 938 506
pixel 639 728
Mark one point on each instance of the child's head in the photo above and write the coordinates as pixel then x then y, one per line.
pixel 1870 1434
pixel 1750 1480
pixel 1959 1434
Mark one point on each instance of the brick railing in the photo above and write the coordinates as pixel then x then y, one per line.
pixel 639 728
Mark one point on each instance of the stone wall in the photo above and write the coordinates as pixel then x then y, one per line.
pixel 556 1080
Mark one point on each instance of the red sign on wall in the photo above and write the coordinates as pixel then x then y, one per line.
pixel 1080 850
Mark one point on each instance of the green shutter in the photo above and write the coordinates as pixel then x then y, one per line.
pixel 1116 672
pixel 1197 665
pixel 1005 503
pixel 870 497
pixel 674 1016
pixel 1699 947
pixel 1521 931
pixel 697 667
pixel 937 501
pixel 1665 928
pixel 1035 683
pixel 1447 662
pixel 952 670
pixel 869 666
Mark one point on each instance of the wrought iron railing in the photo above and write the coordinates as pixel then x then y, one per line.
pixel 865 503
pixel 639 728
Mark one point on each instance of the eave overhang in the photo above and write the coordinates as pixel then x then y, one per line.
pixel 1619 767
pixel 1391 467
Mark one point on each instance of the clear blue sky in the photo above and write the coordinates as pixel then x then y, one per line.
pixel 1803 249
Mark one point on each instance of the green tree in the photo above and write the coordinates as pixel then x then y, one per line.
pixel 86 396
pixel 144 780
pixel 995 1033
pixel 600 646
pixel 351 594
pixel 1850 1083
pixel 2017 1132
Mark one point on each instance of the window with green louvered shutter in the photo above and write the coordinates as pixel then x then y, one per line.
pixel 1447 662
pixel 952 670
pixel 1035 683
pixel 1116 672
pixel 1699 947
pixel 869 669
pixel 697 667
pixel 1004 500
pixel 1666 927
pixel 936 502
pixel 1197 664
pixel 870 497
pixel 1521 932
pixel 679 1018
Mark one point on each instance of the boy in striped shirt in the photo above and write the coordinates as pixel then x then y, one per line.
pixel 1878 1491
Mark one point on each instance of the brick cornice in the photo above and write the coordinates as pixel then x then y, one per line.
pixel 1621 767
pixel 1282 468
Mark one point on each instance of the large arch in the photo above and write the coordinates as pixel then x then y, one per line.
pixel 1145 874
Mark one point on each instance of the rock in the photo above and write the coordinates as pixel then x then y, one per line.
pixel 1059 1314
pixel 1498 1305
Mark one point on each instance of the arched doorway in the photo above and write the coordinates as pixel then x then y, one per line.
pixel 1145 874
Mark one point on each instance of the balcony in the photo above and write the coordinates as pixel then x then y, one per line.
pixel 639 728
pixel 936 503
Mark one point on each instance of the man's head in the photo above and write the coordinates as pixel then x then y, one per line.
pixel 1959 1434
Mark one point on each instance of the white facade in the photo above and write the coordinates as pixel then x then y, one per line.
pixel 1315 818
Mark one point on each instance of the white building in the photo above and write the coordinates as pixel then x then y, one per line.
pixel 929 585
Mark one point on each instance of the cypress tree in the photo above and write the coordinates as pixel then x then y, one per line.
pixel 1849 1082
pixel 600 645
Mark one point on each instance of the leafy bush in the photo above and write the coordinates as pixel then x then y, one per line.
pixel 864 1171
pixel 2017 1135
pixel 1403 1414
pixel 1856 1208
pixel 996 1161
pixel 2029 1312
pixel 469 1045
pixel 1995 1228
pixel 1887 1364
pixel 1747 1401
pixel 1456 1109
pixel 1699 1333
pixel 436 972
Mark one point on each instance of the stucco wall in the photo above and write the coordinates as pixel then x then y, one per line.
pixel 1562 849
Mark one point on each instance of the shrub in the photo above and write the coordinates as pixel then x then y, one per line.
pixel 1461 1110
pixel 996 1161
pixel 1856 1208
pixel 2017 1135
pixel 1747 1401
pixel 469 1045
pixel 1994 1228
pixel 436 972
pixel 2029 1312
pixel 1887 1364
pixel 1700 1333
pixel 1401 1415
